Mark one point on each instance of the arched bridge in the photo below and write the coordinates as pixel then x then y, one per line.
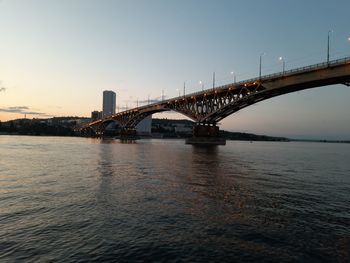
pixel 210 106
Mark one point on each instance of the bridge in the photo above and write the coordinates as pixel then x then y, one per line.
pixel 206 108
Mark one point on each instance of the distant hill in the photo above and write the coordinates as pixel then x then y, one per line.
pixel 240 136
pixel 167 127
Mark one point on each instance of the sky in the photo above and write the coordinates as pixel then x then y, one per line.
pixel 57 57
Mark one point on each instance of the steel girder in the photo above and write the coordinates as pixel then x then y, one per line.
pixel 209 107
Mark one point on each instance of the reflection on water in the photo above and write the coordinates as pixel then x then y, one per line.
pixel 77 199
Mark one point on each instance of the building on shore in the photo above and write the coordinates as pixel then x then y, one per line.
pixel 109 103
pixel 168 128
pixel 96 115
pixel 144 128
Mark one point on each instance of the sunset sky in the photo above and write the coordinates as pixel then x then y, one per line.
pixel 57 57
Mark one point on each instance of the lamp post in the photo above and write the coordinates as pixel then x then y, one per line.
pixel 328 37
pixel 184 89
pixel 202 84
pixel 261 55
pixel 213 80
pixel 234 76
pixel 283 64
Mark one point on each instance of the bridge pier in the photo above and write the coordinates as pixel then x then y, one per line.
pixel 206 134
pixel 128 135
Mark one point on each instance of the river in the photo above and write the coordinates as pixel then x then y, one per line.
pixel 88 200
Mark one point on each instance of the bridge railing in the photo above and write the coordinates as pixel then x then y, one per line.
pixel 310 67
pixel 322 65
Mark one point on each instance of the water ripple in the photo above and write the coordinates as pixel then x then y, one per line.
pixel 86 200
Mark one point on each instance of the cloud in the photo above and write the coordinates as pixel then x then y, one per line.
pixel 23 110
pixel 2 88
pixel 17 108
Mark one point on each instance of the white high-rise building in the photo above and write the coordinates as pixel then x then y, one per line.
pixel 145 126
pixel 109 103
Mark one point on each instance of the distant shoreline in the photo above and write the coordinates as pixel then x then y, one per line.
pixel 324 141
pixel 160 129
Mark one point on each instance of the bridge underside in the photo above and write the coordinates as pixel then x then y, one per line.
pixel 209 107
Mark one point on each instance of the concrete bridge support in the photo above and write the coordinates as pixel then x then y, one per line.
pixel 206 134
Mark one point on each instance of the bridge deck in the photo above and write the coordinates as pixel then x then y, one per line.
pixel 212 105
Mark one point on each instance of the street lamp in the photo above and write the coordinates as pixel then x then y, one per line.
pixel 214 80
pixel 178 91
pixel 184 89
pixel 283 64
pixel 234 76
pixel 328 36
pixel 262 54
pixel 202 84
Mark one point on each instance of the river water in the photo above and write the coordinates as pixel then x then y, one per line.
pixel 87 200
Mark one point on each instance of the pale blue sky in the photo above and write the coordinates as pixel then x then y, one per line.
pixel 56 57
